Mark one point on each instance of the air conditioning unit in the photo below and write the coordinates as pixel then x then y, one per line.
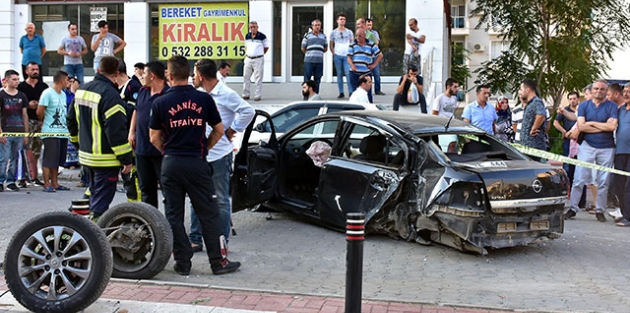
pixel 479 47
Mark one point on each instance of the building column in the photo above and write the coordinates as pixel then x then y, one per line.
pixel 261 11
pixel 137 26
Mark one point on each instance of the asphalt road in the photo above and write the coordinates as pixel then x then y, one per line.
pixel 583 271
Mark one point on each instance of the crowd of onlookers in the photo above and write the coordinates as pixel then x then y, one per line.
pixel 594 131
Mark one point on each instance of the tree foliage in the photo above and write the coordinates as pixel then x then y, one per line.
pixel 459 69
pixel 562 44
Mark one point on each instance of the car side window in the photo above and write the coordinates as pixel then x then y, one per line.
pixel 289 119
pixel 369 145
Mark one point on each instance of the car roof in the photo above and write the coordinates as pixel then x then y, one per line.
pixel 326 103
pixel 416 123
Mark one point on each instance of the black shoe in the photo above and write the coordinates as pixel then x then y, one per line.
pixel 380 93
pixel 600 216
pixel 13 187
pixel 38 183
pixel 224 267
pixel 22 184
pixel 181 269
pixel 341 96
pixel 569 214
pixel 196 247
pixel 1 188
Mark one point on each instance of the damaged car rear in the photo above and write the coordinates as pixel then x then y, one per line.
pixel 418 177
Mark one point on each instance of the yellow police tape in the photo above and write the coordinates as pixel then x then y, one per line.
pixel 8 134
pixel 555 157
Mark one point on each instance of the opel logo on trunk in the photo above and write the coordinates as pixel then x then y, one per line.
pixel 537 186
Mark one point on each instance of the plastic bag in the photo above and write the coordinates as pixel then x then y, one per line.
pixel 413 97
pixel 319 152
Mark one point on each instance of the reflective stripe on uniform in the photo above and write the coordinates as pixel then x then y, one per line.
pixel 113 110
pixel 122 149
pixel 102 160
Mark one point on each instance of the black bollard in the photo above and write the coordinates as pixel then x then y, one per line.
pixel 355 232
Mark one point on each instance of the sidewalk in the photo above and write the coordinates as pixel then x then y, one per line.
pixel 124 296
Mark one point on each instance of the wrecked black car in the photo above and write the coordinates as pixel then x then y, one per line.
pixel 421 178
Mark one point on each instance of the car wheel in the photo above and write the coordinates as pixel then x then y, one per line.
pixel 140 237
pixel 58 262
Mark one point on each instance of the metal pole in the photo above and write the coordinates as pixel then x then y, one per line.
pixel 355 232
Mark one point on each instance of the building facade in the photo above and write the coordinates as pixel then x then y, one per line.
pixel 156 29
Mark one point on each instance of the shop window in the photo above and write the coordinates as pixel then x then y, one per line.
pixel 80 14
pixel 390 22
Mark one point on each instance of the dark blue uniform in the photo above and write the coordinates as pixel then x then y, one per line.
pixel 148 158
pixel 182 114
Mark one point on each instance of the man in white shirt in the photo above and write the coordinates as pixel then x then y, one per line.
pixel 413 46
pixel 446 103
pixel 256 45
pixel 224 71
pixel 360 95
pixel 236 114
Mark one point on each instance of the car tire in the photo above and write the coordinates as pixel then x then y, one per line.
pixel 58 251
pixel 140 237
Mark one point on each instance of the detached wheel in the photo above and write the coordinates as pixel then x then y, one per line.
pixel 140 238
pixel 58 262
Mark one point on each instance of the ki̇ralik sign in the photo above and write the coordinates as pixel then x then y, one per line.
pixel 205 30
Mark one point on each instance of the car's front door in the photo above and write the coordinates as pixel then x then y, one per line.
pixel 255 170
pixel 362 177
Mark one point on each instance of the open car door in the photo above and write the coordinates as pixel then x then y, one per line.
pixel 255 180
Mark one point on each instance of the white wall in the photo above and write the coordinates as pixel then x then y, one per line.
pixel 261 11
pixel 137 26
pixel 7 37
pixel 21 16
pixel 430 16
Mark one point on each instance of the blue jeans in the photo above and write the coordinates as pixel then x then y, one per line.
pixel 316 70
pixel 221 170
pixel 354 81
pixel 75 70
pixel 9 153
pixel 342 67
pixel 377 78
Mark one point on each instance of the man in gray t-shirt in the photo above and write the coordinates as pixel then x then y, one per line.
pixel 105 44
pixel 73 48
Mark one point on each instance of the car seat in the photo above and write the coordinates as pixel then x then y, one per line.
pixel 371 148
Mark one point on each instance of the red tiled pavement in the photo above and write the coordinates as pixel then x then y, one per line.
pixel 250 300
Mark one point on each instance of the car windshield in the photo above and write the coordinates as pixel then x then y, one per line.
pixel 472 147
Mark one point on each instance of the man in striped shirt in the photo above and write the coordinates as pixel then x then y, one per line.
pixel 314 45
pixel 363 56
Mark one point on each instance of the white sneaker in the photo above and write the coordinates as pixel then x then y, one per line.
pixel 615 213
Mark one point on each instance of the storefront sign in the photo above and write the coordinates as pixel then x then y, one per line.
pixel 97 15
pixel 207 30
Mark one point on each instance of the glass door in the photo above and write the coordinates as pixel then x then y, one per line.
pixel 302 16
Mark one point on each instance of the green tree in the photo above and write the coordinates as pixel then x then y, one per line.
pixel 562 44
pixel 459 69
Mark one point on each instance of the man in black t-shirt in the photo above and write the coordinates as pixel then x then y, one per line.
pixel 410 91
pixel 178 128
pixel 33 88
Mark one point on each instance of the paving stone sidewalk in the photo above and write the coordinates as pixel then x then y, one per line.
pixel 122 295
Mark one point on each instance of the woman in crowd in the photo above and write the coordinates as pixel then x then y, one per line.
pixel 504 129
